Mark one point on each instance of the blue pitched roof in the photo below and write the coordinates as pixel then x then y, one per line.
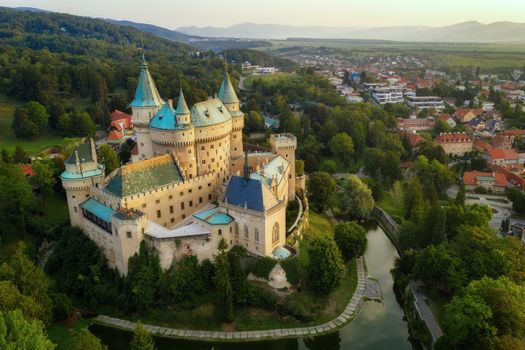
pixel 243 192
pixel 214 217
pixel 165 119
pixel 98 209
pixel 146 94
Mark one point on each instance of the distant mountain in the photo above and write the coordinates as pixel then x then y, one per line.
pixel 461 32
pixel 159 31
pixel 31 9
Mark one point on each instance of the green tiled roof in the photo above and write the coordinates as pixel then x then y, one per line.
pixel 209 112
pixel 144 176
pixel 214 217
pixel 98 209
pixel 146 94
pixel 84 154
pixel 226 91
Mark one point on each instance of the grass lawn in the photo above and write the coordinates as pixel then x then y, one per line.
pixel 7 137
pixel 391 205
pixel 248 81
pixel 63 333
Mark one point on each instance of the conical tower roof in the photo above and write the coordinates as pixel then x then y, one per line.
pixel 146 94
pixel 227 92
pixel 182 107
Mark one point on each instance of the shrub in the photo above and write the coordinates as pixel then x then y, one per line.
pixel 62 306
pixel 260 297
pixel 263 266
pixel 294 270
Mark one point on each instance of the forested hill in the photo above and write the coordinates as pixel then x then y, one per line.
pixel 45 55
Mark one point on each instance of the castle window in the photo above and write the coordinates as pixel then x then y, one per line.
pixel 220 232
pixel 172 220
pixel 75 209
pixel 158 214
pixel 116 232
pixel 143 205
pixel 231 229
pixel 209 197
pixel 203 161
pixel 181 193
pixel 213 160
pixel 256 235
pixel 171 209
pixel 170 197
pixel 211 146
pixel 189 151
pixel 209 184
pixel 200 187
pixel 143 230
pixel 73 196
pixel 128 234
pixel 157 201
pixel 203 148
pixel 189 191
pixel 275 232
pixel 191 203
pixel 182 205
pixel 200 199
pixel 246 231
pixel 183 216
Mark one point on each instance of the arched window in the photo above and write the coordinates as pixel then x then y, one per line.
pixel 256 235
pixel 246 231
pixel 236 230
pixel 275 232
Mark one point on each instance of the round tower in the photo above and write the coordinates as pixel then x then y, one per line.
pixel 185 138
pixel 144 106
pixel 82 173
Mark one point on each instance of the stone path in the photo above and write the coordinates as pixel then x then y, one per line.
pixel 346 316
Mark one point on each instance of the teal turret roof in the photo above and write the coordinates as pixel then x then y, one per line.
pixel 226 92
pixel 164 119
pixel 182 107
pixel 146 94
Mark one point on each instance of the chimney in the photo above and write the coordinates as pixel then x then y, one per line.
pixel 170 103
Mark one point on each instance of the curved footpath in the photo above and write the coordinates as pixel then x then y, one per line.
pixel 348 314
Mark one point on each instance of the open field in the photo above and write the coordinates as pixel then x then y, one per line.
pixel 7 137
pixel 485 56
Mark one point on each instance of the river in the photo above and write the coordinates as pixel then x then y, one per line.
pixel 378 326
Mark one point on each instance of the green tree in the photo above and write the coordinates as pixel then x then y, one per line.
pixel 43 177
pixel 320 188
pixel 86 340
pixel 109 158
pixel 467 323
pixel 329 166
pixel 18 333
pixel 343 147
pixel 143 278
pixel 223 282
pixel 20 156
pixel 30 120
pixel 505 300
pixel 142 339
pixel 186 281
pixel 299 167
pixel 81 124
pixel 310 151
pixel 16 198
pixel 357 198
pixel 31 281
pixel 326 264
pixel 435 225
pixel 460 197
pixel 351 239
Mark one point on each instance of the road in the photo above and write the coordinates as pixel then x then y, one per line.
pixel 424 311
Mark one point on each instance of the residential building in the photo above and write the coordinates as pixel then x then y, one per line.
pixel 502 156
pixel 455 143
pixel 387 94
pixel 445 117
pixel 493 182
pixel 424 102
pixel 415 124
pixel 465 115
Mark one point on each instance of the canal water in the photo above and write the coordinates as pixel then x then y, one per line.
pixel 378 326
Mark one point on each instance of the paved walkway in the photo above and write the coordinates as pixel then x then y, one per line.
pixel 348 314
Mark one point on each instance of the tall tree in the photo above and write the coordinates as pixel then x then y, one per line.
pixel 460 197
pixel 326 264
pixel 357 198
pixel 109 158
pixel 43 175
pixel 18 333
pixel 321 187
pixel 343 147
pixel 351 239
pixel 223 282
pixel 142 339
pixel 86 340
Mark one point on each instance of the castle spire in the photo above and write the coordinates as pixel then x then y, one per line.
pixel 146 94
pixel 246 169
pixel 227 92
pixel 182 107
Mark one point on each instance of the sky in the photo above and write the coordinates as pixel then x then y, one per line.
pixel 341 13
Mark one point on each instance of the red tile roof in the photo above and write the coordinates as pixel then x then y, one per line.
pixel 469 178
pixel 116 114
pixel 114 135
pixel 453 137
pixel 27 170
pixel 502 153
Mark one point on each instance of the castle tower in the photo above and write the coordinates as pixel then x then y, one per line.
pixel 229 98
pixel 128 228
pixel 144 106
pixel 285 145
pixel 185 138
pixel 82 172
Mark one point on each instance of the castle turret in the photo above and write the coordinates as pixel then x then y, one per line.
pixel 82 172
pixel 285 145
pixel 145 105
pixel 182 112
pixel 128 229
pixel 229 98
